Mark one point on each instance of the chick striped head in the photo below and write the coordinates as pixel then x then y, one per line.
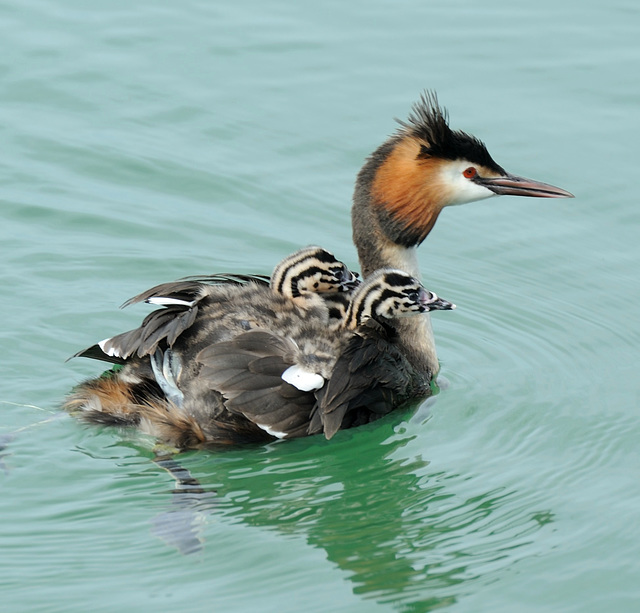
pixel 312 270
pixel 390 294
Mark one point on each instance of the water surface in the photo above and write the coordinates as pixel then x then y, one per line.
pixel 143 142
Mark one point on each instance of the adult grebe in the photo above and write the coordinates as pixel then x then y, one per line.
pixel 292 374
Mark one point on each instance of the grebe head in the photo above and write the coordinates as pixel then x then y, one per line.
pixel 427 166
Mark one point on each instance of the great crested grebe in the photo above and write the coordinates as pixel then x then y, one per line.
pixel 291 375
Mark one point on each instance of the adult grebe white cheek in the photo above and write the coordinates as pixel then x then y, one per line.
pixel 461 189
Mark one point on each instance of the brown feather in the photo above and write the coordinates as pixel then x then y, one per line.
pixel 408 187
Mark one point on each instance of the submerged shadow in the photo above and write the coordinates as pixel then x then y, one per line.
pixel 181 524
pixel 401 534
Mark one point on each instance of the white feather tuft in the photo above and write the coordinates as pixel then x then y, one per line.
pixel 165 301
pixel 304 380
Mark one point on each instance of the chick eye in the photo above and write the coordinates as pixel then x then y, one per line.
pixel 413 295
pixel 470 172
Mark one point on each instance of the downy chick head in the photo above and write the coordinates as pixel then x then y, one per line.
pixel 390 294
pixel 312 270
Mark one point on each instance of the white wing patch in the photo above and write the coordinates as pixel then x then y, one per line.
pixel 271 431
pixel 304 380
pixel 165 301
pixel 112 351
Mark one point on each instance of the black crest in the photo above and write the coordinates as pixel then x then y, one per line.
pixel 429 122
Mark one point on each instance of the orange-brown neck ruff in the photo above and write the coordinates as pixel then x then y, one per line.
pixel 409 189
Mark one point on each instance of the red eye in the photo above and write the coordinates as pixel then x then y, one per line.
pixel 470 172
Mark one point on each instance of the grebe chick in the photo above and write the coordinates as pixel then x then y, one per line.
pixel 389 294
pixel 314 277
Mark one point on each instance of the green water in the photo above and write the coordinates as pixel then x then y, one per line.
pixel 145 141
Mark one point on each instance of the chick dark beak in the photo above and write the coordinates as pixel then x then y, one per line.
pixel 430 302
pixel 349 281
pixel 512 185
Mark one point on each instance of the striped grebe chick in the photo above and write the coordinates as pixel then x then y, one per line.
pixel 314 277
